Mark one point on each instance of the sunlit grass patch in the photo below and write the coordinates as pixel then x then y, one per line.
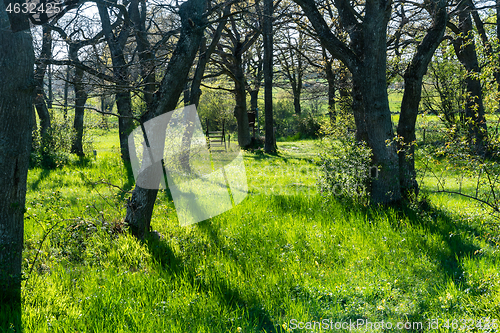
pixel 277 256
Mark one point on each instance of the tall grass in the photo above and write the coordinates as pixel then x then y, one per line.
pixel 283 254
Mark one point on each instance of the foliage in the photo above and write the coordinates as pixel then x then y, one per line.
pixel 466 173
pixel 308 126
pixel 283 113
pixel 53 150
pixel 217 106
pixel 294 127
pixel 345 163
pixel 444 93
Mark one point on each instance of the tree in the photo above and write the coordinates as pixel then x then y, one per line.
pixel 465 50
pixel 41 69
pixel 267 32
pixel 411 97
pixel 204 57
pixel 116 43
pixel 240 34
pixel 16 120
pixel 366 59
pixel 141 204
pixel 292 63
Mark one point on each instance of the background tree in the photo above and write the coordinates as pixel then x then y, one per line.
pixel 40 71
pixel 241 32
pixel 465 50
pixel 267 33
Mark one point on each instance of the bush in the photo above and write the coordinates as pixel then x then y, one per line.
pixel 345 163
pixel 77 239
pixel 291 126
pixel 53 149
pixel 308 127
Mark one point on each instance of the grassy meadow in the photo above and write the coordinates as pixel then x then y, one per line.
pixel 283 257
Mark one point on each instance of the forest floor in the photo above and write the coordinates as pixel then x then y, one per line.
pixel 283 259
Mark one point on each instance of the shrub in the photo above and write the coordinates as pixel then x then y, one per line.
pixel 53 149
pixel 345 163
pixel 308 126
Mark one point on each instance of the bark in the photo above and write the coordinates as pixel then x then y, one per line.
pixel 116 45
pixel 297 91
pixel 330 78
pixel 146 55
pixel 16 121
pixel 254 98
pixel 233 66
pixel 140 206
pixel 41 69
pixel 411 98
pixel 240 109
pixel 484 38
pixel 204 55
pixel 465 50
pixel 50 98
pixel 366 59
pixel 80 100
pixel 66 92
pixel 267 35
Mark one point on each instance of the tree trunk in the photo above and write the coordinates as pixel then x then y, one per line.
pixel 374 116
pixel 146 55
pixel 366 59
pixel 125 124
pixel 254 95
pixel 41 107
pixel 267 35
pixel 465 50
pixel 50 98
pixel 296 100
pixel 240 109
pixel 330 78
pixel 411 99
pixel 80 100
pixel 16 121
pixel 140 206
pixel 116 46
pixel 66 92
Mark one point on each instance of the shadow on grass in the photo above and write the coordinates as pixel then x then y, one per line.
pixel 10 313
pixel 260 155
pixel 43 174
pixel 457 235
pixel 229 296
pixel 129 184
pixel 232 296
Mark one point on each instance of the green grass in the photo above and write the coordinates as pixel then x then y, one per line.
pixel 395 98
pixel 284 253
